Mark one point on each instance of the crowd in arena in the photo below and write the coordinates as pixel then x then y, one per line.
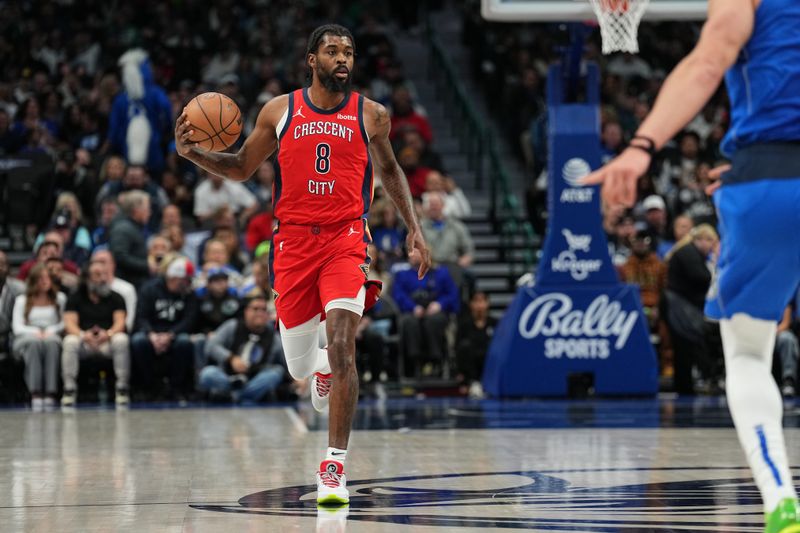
pixel 668 243
pixel 156 273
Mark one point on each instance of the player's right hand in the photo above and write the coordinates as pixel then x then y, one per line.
pixel 183 132
pixel 418 252
pixel 619 177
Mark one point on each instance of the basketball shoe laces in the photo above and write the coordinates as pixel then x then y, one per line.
pixel 331 479
pixel 323 384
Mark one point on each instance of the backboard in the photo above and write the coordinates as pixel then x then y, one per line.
pixel 580 10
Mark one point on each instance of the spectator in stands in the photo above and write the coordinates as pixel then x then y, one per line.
pixel 215 192
pixel 428 158
pixel 165 315
pixel 261 184
pixel 426 305
pixel 216 302
pixel 454 247
pixel 681 226
pixel 38 320
pixel 678 171
pixel 126 240
pixel 68 221
pixel 404 114
pixel 238 259
pixel 136 178
pixel 113 169
pixel 388 232
pixel 475 332
pixel 456 203
pixel 688 280
pixel 248 356
pixel 693 201
pixel 621 243
pixel 94 324
pixel 611 140
pixel 171 216
pixel 178 192
pixel 787 351
pixel 51 246
pixel 120 286
pixel 644 269
pixel 259 228
pixel 655 215
pixel 176 238
pixel 62 280
pixel 215 255
pixel 158 247
pixel 10 288
pixel 408 159
pixel 109 209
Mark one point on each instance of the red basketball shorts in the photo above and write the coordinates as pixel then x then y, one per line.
pixel 312 265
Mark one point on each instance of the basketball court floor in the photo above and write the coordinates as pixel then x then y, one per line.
pixel 415 465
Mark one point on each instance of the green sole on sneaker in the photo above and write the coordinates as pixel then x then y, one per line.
pixel 785 518
pixel 332 499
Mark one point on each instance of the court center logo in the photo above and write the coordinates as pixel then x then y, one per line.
pixel 567 261
pixel 572 172
pixel 534 500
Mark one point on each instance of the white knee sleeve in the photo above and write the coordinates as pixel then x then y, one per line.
pixel 755 403
pixel 302 350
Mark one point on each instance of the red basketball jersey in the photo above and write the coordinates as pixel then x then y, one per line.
pixel 323 172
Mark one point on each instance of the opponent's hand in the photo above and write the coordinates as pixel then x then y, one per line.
pixel 714 176
pixel 182 133
pixel 619 177
pixel 418 252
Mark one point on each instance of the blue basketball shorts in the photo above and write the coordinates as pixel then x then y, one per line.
pixel 759 266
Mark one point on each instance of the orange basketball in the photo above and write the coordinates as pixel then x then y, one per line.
pixel 215 120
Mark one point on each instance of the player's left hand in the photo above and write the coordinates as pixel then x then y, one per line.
pixel 418 251
pixel 619 177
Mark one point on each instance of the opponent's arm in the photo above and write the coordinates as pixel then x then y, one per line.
pixel 259 145
pixel 684 93
pixel 693 82
pixel 394 180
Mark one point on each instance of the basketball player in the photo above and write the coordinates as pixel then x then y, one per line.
pixel 758 43
pixel 327 139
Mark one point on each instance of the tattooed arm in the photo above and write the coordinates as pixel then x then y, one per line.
pixel 394 181
pixel 259 145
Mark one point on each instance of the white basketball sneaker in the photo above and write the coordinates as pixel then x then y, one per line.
pixel 321 390
pixel 332 484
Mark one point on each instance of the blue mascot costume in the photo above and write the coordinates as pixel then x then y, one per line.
pixel 141 115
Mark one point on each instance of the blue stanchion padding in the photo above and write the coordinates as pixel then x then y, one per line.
pixel 548 334
pixel 577 318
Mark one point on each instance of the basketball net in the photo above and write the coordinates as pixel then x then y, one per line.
pixel 619 23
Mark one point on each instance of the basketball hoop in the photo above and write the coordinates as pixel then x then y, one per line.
pixel 619 23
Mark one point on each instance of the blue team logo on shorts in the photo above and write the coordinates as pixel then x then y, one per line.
pixel 520 500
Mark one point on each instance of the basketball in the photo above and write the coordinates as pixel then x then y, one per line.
pixel 216 121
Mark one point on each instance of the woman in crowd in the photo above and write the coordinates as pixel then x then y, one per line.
pixel 37 325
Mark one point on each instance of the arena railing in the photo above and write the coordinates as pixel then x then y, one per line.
pixel 483 156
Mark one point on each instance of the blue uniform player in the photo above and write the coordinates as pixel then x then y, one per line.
pixel 755 44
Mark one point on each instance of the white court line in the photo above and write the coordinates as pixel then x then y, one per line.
pixel 297 422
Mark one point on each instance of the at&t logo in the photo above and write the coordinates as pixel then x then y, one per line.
pixel 575 169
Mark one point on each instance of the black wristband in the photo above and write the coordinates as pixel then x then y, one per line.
pixel 650 147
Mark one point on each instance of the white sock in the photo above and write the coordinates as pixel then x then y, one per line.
pixel 755 404
pixel 335 454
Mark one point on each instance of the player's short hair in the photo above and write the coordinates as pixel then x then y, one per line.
pixel 316 36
